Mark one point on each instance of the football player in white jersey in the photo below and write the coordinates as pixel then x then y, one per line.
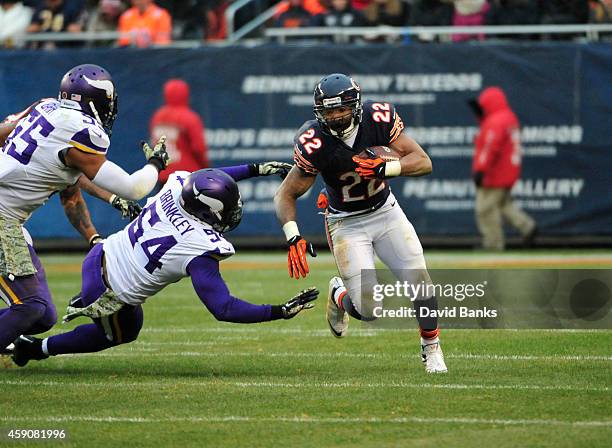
pixel 179 233
pixel 363 217
pixel 51 146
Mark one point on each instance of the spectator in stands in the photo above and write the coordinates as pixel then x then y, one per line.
pixel 360 5
pixel 145 24
pixel 314 7
pixel 14 21
pixel 600 11
pixel 58 16
pixel 387 12
pixel 431 13
pixel 341 14
pixel 564 12
pixel 469 13
pixel 496 168
pixel 216 26
pixel 514 12
pixel 295 16
pixel 183 128
pixel 105 18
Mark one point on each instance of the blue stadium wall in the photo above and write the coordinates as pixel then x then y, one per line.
pixel 253 99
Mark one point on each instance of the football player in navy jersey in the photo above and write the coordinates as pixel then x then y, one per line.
pixel 362 217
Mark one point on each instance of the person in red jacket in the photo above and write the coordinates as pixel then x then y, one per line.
pixel 495 169
pixel 183 128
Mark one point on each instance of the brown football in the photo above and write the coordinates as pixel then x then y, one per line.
pixel 385 153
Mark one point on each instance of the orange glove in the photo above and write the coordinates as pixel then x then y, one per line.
pixel 322 200
pixel 370 168
pixel 296 258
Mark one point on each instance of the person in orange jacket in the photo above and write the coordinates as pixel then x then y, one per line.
pixel 183 128
pixel 145 24
pixel 495 169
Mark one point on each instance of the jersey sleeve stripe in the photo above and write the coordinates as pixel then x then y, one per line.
pixel 304 164
pixel 398 127
pixel 82 140
pixel 84 148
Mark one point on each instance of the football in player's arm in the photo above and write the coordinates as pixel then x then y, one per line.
pixel 178 234
pixel 362 217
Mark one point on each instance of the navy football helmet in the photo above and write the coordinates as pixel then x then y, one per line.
pixel 90 89
pixel 212 196
pixel 333 92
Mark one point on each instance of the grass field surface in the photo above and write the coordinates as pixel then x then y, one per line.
pixel 191 381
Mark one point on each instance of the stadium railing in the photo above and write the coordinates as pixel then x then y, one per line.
pixel 590 33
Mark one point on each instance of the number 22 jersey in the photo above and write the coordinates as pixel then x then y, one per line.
pixel 318 152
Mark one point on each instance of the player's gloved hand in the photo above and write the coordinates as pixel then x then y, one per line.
pixel 269 168
pixel 322 199
pixel 296 258
pixel 302 301
pixel 95 239
pixel 128 209
pixel 157 156
pixel 372 168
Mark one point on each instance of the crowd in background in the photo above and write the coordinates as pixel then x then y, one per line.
pixel 158 22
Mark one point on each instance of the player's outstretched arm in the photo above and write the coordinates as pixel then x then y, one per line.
pixel 77 212
pixel 113 178
pixel 240 172
pixel 295 185
pixel 128 209
pixel 215 295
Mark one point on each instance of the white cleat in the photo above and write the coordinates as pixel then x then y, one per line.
pixel 433 358
pixel 337 319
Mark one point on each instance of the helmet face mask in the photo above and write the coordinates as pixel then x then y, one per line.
pixel 90 89
pixel 337 104
pixel 212 196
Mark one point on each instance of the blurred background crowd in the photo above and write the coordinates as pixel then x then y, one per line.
pixel 144 23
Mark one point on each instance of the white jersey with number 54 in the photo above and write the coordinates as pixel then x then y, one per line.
pixel 155 249
pixel 31 168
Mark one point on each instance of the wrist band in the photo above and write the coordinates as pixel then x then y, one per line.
pixel 393 169
pixel 112 198
pixel 291 230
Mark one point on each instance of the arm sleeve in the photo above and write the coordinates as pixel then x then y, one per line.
pixel 240 172
pixel 215 295
pixel 133 186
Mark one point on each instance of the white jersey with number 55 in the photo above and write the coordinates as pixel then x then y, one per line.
pixel 155 249
pixel 31 167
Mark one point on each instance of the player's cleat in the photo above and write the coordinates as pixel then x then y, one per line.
pixel 27 348
pixel 433 358
pixel 8 350
pixel 337 318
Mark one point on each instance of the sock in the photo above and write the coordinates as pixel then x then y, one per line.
pixel 425 341
pixel 339 294
pixel 83 339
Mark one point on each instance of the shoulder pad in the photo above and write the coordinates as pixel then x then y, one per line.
pixel 307 142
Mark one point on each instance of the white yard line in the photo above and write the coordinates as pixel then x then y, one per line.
pixel 204 383
pixel 315 420
pixel 130 353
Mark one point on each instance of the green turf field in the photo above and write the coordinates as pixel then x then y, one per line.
pixel 190 381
